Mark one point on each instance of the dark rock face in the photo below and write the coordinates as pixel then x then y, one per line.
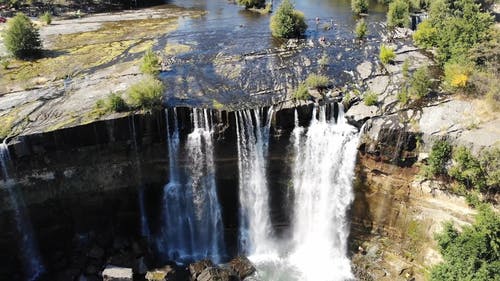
pixel 195 269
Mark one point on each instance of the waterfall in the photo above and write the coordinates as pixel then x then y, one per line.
pixel 192 221
pixel 255 224
pixel 323 170
pixel 32 264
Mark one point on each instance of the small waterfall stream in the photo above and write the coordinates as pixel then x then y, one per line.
pixel 192 222
pixel 253 139
pixel 30 256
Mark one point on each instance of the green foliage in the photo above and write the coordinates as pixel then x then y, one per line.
pixel 287 22
pixel 461 25
pixel 5 62
pixel 426 35
pixel 251 3
pixel 467 170
pixel 398 14
pixel 403 97
pixel 146 94
pixel 386 54
pixel 317 81
pixel 149 63
pixel 473 253
pixel 439 156
pixel 457 75
pixel 359 6
pixel 301 93
pixel 361 29
pixel 113 103
pixel 420 83
pixel 217 105
pixel 21 37
pixel 370 99
pixel 405 69
pixel 46 18
pixel 324 60
pixel 490 164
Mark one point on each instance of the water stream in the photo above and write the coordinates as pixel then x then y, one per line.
pixel 28 248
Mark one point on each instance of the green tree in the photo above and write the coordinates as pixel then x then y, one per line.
pixel 287 22
pixel 361 29
pixel 398 14
pixel 467 170
pixel 386 54
pixel 251 3
pixel 21 37
pixel 473 253
pixel 439 156
pixel 359 6
pixel 420 83
pixel 149 63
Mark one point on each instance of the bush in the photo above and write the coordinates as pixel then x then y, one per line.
pixel 46 18
pixel 386 54
pixel 5 62
pixel 287 22
pixel 490 164
pixel 398 14
pixel 405 69
pixel 301 93
pixel 21 37
pixel 370 99
pixel 359 6
pixel 149 63
pixel 317 81
pixel 403 97
pixel 251 3
pixel 456 76
pixel 439 156
pixel 425 35
pixel 473 253
pixel 324 60
pixel 146 94
pixel 113 103
pixel 361 29
pixel 467 170
pixel 420 83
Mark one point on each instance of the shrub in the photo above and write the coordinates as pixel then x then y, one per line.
pixel 403 97
pixel 301 93
pixel 217 105
pixel 370 99
pixel 361 29
pixel 439 156
pixel 146 94
pixel 420 83
pixel 386 54
pixel 46 18
pixel 467 170
pixel 287 22
pixel 425 36
pixel 21 37
pixel 113 103
pixel 324 60
pixel 398 14
pixel 149 63
pixel 405 69
pixel 359 6
pixel 473 253
pixel 490 164
pixel 317 81
pixel 5 62
pixel 456 75
pixel 251 3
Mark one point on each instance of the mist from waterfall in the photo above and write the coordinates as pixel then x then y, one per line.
pixel 30 256
pixel 192 222
pixel 255 231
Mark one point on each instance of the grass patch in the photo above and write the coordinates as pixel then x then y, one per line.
pixel 301 93
pixel 370 99
pixel 317 81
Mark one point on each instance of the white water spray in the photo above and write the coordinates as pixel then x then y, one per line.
pixel 255 225
pixel 33 266
pixel 192 227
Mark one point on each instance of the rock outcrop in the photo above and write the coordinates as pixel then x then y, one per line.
pixel 114 273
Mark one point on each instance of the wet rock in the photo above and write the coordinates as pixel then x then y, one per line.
pixel 359 113
pixel 242 266
pixel 113 273
pixel 140 266
pixel 364 69
pixel 196 268
pixel 161 274
pixel 215 274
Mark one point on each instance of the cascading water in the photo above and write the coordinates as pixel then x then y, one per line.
pixel 322 180
pixel 33 267
pixel 322 172
pixel 192 226
pixel 255 225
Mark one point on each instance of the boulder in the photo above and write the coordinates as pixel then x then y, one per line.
pixel 114 273
pixel 242 266
pixel 215 274
pixel 196 268
pixel 161 274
